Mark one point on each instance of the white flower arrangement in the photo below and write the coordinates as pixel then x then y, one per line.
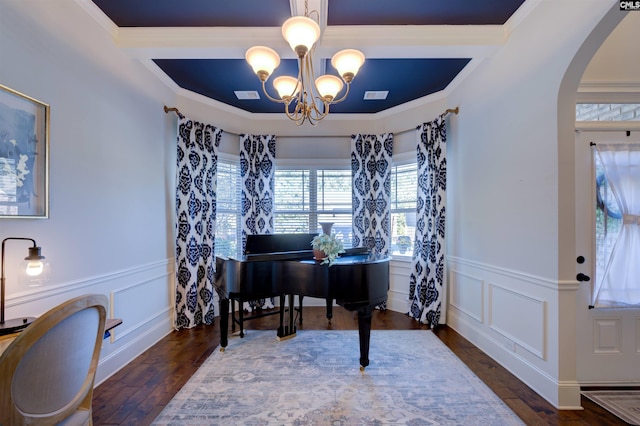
pixel 330 245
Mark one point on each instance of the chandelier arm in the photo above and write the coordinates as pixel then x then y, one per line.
pixel 343 97
pixel 300 84
pixel 314 92
pixel 295 115
pixel 319 115
pixel 271 98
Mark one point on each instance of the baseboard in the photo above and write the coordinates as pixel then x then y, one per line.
pixel 127 352
pixel 563 395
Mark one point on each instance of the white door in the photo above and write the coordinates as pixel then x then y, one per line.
pixel 608 340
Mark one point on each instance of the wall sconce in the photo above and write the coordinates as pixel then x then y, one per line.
pixel 34 268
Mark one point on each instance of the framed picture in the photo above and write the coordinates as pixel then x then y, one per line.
pixel 24 156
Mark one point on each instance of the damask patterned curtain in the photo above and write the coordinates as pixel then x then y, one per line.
pixel 427 276
pixel 371 192
pixel 257 171
pixel 197 161
pixel 371 173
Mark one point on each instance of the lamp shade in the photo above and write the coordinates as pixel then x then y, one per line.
pixel 286 86
pixel 348 62
pixel 301 33
pixel 328 86
pixel 263 60
pixel 36 270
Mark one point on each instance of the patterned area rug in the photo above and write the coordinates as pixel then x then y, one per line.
pixel 314 379
pixel 623 403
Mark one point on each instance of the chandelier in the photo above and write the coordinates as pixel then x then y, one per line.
pixel 305 98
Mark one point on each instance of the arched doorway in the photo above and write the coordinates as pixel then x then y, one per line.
pixel 599 345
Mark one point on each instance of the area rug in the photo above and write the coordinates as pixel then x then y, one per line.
pixel 314 379
pixel 625 404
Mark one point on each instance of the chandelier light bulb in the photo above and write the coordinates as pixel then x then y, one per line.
pixel 328 86
pixel 286 86
pixel 348 62
pixel 301 33
pixel 263 60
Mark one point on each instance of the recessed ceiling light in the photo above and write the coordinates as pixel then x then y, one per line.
pixel 375 95
pixel 244 95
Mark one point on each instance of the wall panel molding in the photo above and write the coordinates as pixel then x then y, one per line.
pixel 520 276
pixel 140 295
pixel 466 294
pixel 519 318
pixel 519 325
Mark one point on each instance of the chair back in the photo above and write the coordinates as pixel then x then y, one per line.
pixel 47 373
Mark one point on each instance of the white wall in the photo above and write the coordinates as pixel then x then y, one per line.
pixel 616 61
pixel 511 246
pixel 111 180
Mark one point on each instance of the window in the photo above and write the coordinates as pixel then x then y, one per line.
pixel 306 197
pixel 607 112
pixel 403 208
pixel 608 219
pixel 228 232
pixel 617 224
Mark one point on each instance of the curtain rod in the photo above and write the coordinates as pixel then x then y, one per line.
pixel 455 110
pixel 176 110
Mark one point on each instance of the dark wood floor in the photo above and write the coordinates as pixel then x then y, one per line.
pixel 136 394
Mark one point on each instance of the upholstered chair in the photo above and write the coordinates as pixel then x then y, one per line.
pixel 47 373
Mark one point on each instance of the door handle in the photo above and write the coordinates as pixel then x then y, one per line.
pixel 583 277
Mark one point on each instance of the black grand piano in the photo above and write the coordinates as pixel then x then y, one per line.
pixel 282 265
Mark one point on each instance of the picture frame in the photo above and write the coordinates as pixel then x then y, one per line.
pixel 24 156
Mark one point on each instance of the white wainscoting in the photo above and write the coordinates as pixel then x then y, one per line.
pixel 143 299
pixel 399 275
pixel 513 317
pixel 518 318
pixel 141 296
pixel 467 295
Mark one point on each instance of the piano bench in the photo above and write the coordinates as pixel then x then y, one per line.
pixel 241 318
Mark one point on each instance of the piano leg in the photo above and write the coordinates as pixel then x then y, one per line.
pixel 300 307
pixel 224 323
pixel 292 308
pixel 233 315
pixel 241 316
pixel 288 331
pixel 280 333
pixel 364 331
pixel 329 309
